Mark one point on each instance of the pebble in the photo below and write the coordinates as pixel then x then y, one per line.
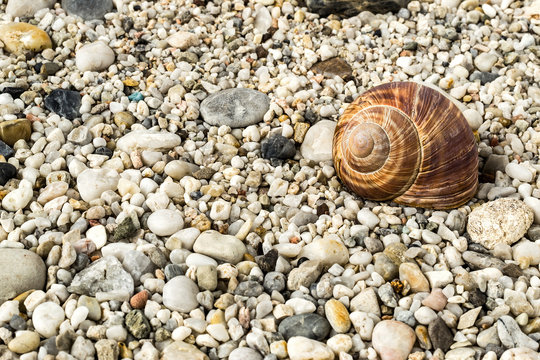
pixel 337 315
pixel 503 221
pixel 147 140
pixel 520 354
pixel 440 335
pixel 24 342
pixel 301 348
pixel 64 102
pixel 179 294
pixel 436 300
pixel 164 222
pixel 12 131
pixel 311 326
pixel 183 40
pixel 137 324
pixel 235 108
pixel 105 275
pixel 411 273
pixel 27 8
pixel 7 172
pixel 485 61
pixel 366 301
pixel 18 38
pixel 468 319
pixel 91 183
pixel 244 353
pixel 393 340
pixel 317 145
pixel 328 251
pixel 277 147
pixel 96 10
pixel 511 335
pixel 180 350
pixel 29 270
pixel 221 247
pixel 96 56
pixel 47 317
pixel 368 218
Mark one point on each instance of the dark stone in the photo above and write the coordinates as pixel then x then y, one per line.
pixel 173 270
pixel 353 7
pixel 17 323
pixel 103 150
pixel 5 150
pixel 50 346
pixel 267 262
pixel 162 334
pixel 441 336
pixel 204 173
pixel 15 92
pixel 478 248
pixel 137 324
pixel 274 281
pixel 81 261
pixel 451 34
pixel 88 10
pixel 323 209
pixel 534 232
pixel 125 229
pixel 249 288
pixel 484 77
pixel 196 195
pixel 477 298
pixel 65 103
pixel 373 245
pixel 493 164
pixel 413 45
pixel 49 68
pixel 157 257
pixel 7 172
pixel 312 326
pixel 65 340
pixel 333 67
pixel 127 23
pixel 278 147
pixel 512 270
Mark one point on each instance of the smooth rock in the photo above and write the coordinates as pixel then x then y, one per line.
pixel 19 38
pixel 237 107
pixel 485 61
pixel 64 102
pixel 301 348
pixel 96 56
pixel 244 353
pixel 180 294
pixel 411 273
pixel 20 270
pixel 12 131
pixel 226 248
pixel 511 335
pixel 91 183
pixel 501 221
pixel 333 67
pixel 103 275
pixel 366 301
pixel 520 354
pixel 436 300
pixel 147 140
pixel 24 342
pixel 328 250
pixel 278 147
pixel 526 253
pixel 311 326
pixel 27 8
pixel 180 350
pixel 165 222
pixel 337 315
pixel 467 319
pixel 393 340
pixel 440 335
pixel 47 317
pixel 88 10
pixel 317 145
pixel 19 198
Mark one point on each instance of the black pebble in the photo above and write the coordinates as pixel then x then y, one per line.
pixel 267 262
pixel 278 147
pixel 7 172
pixel 65 103
pixel 103 150
pixel 15 92
pixel 5 150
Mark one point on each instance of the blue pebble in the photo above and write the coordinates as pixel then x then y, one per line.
pixel 136 96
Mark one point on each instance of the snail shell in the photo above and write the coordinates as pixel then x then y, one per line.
pixel 407 142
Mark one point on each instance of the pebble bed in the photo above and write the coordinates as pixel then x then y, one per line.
pixel 168 189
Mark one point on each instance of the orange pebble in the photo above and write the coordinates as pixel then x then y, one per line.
pixel 138 300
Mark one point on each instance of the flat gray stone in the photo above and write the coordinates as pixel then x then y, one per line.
pixel 238 107
pixel 353 7
pixel 20 270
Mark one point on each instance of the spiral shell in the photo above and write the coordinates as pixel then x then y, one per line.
pixel 407 142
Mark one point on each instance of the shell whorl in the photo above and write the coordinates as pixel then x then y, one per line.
pixel 407 142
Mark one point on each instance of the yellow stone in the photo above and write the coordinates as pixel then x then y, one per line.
pixel 125 352
pixel 337 315
pixel 218 317
pixel 130 82
pixel 21 37
pixel 13 130
pixel 279 348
